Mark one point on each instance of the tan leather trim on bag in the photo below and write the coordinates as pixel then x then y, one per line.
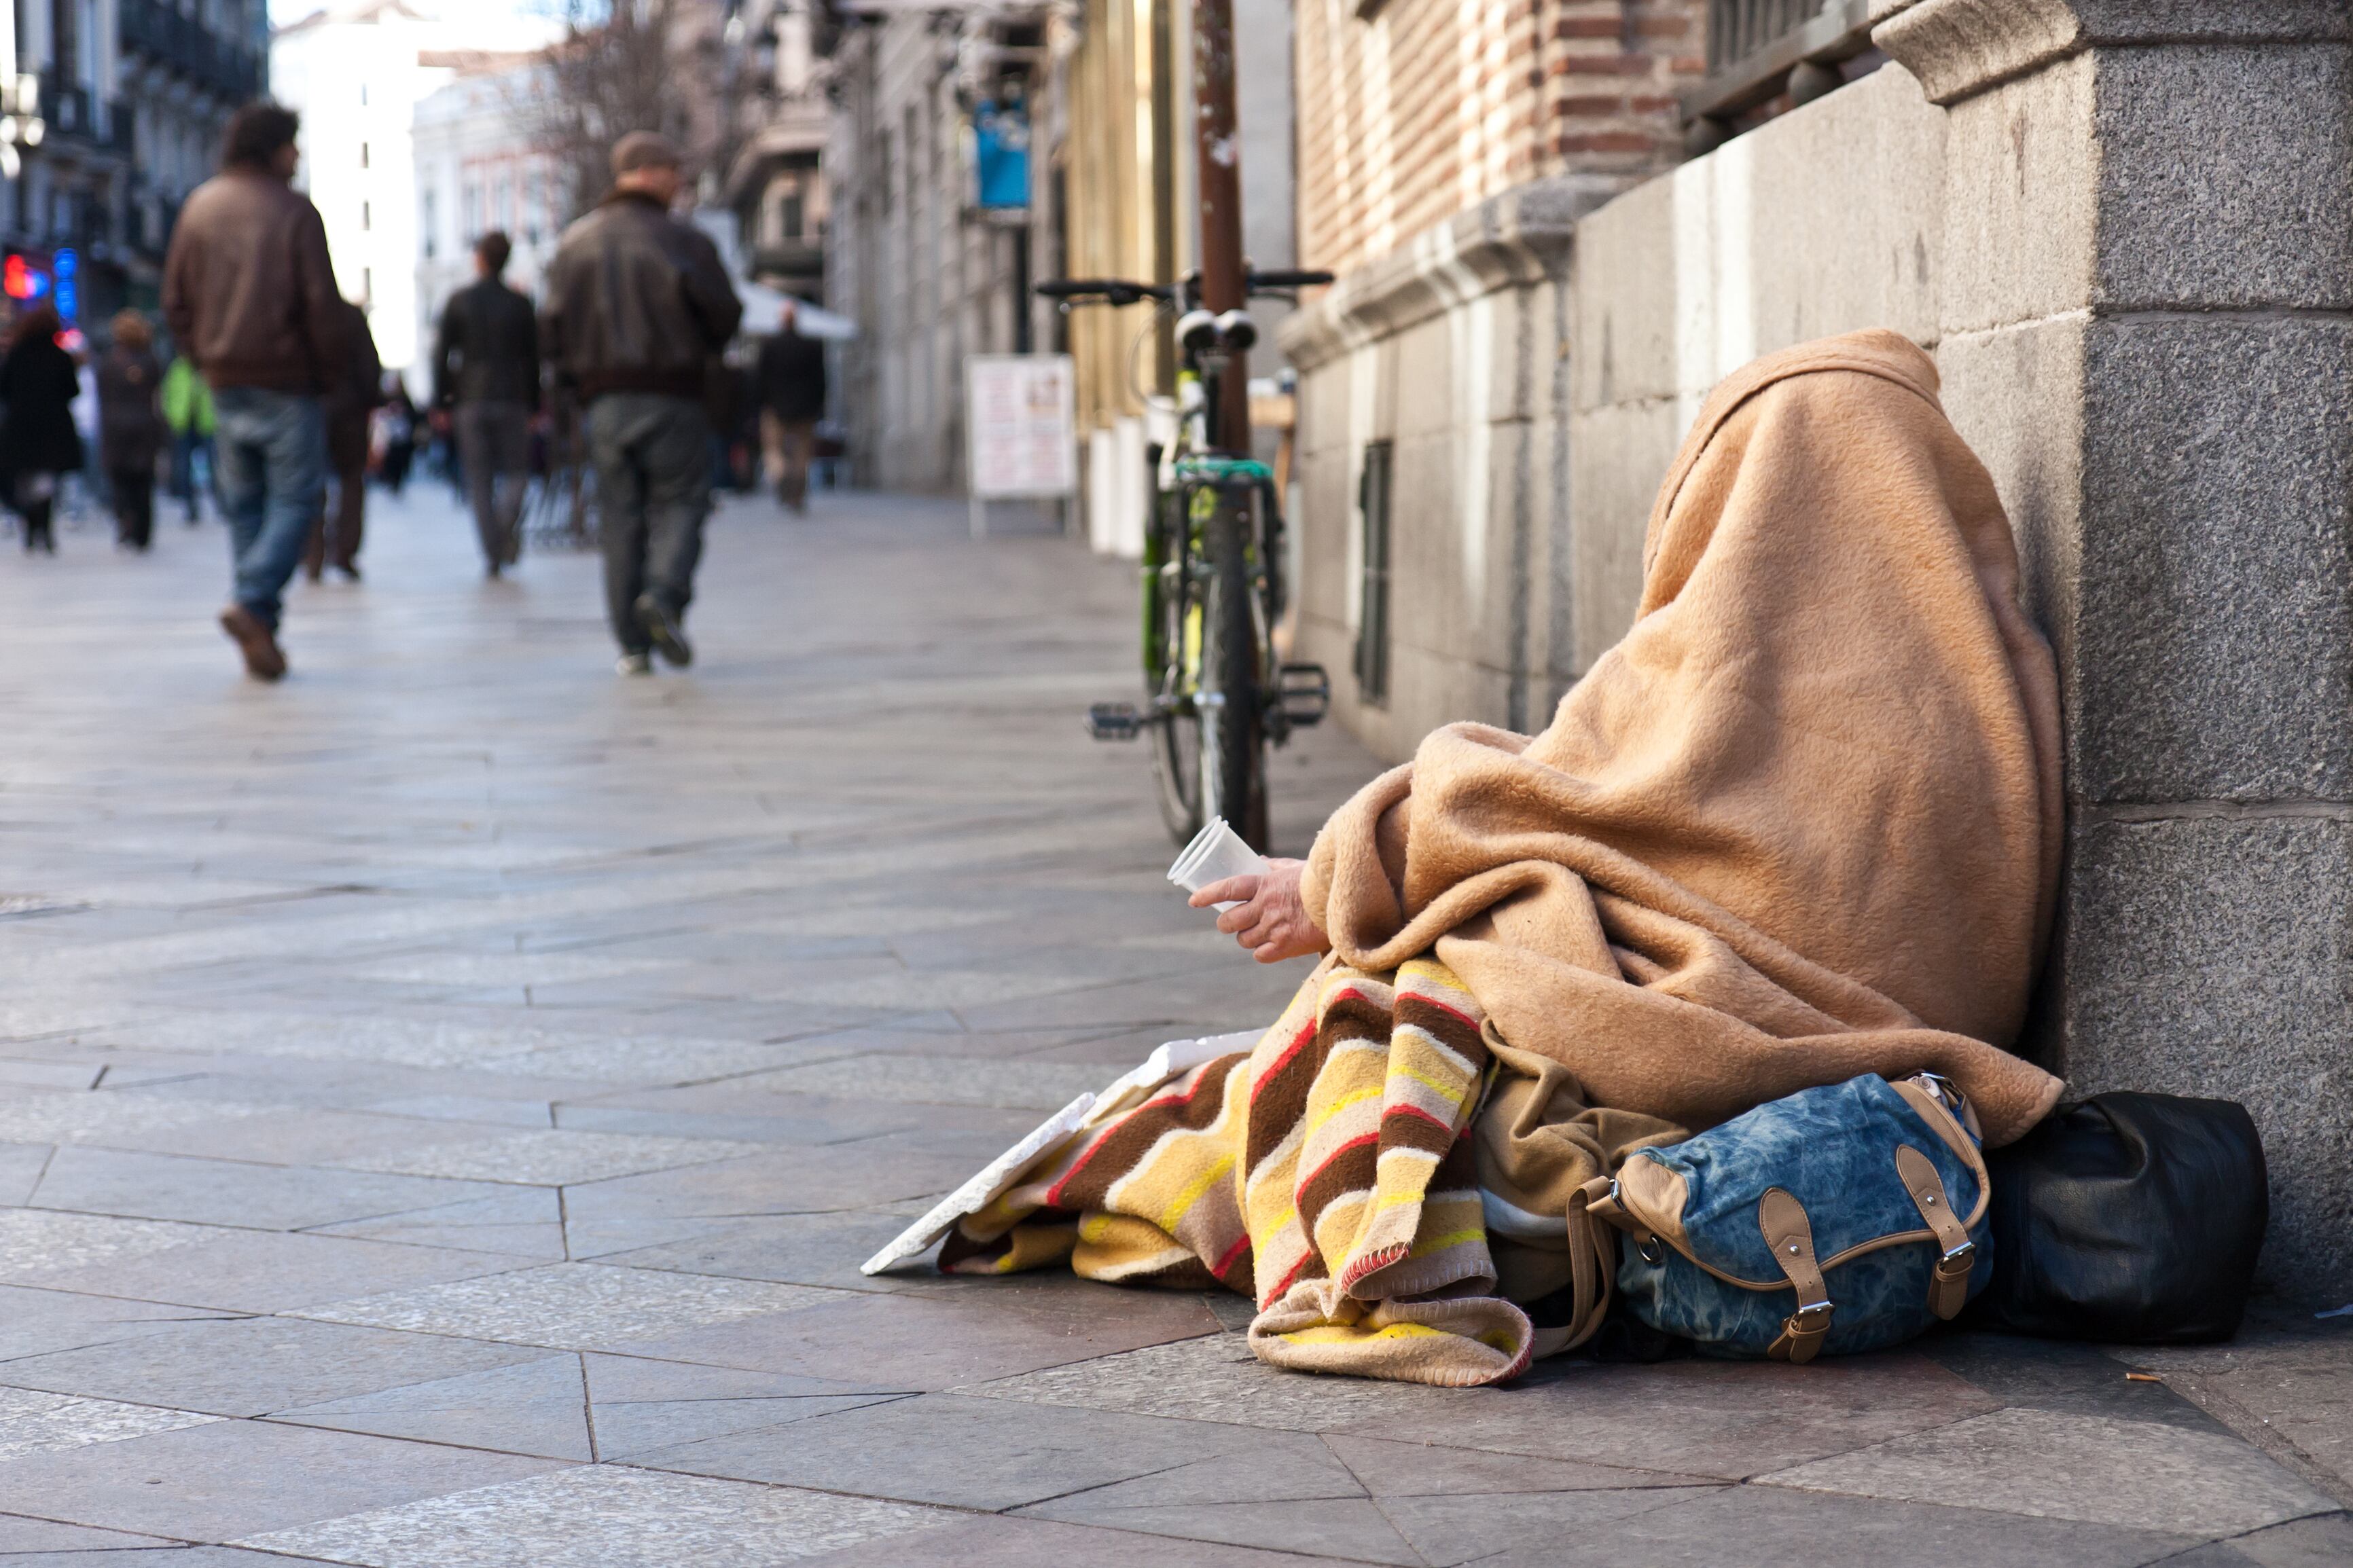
pixel 1790 1235
pixel 1653 1196
pixel 1947 1126
pixel 1948 1285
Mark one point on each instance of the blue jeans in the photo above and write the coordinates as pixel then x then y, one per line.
pixel 270 451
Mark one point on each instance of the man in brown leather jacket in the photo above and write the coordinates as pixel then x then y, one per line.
pixel 250 297
pixel 637 306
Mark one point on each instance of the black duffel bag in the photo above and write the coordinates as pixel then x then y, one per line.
pixel 2132 1218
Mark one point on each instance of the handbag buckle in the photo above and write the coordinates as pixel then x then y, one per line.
pixel 1813 1318
pixel 1959 1260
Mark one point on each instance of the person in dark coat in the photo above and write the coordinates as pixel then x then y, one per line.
pixel 351 404
pixel 400 421
pixel 39 382
pixel 486 376
pixel 792 400
pixel 130 427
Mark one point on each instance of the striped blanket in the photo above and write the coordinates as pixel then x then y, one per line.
pixel 1325 1173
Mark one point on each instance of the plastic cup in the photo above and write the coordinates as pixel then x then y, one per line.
pixel 1215 853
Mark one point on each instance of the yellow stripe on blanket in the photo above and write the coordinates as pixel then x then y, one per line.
pixel 1324 1174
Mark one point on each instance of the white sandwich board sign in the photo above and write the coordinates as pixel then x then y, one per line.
pixel 1020 430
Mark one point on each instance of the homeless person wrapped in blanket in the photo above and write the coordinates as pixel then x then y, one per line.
pixel 1802 824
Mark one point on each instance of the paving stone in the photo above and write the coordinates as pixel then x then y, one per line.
pixel 2324 1541
pixel 968 1453
pixel 571 1306
pixel 2291 1382
pixel 1218 1379
pixel 538 1407
pixel 525 1222
pixel 602 1517
pixel 798 1249
pixel 36 1243
pixel 1727 1420
pixel 1025 1542
pixel 35 1422
pixel 37 1117
pixel 2046 1374
pixel 551 1159
pixel 1353 1529
pixel 942 1080
pixel 21 1165
pixel 2052 1465
pixel 1758 1527
pixel 251 1366
pixel 32 1322
pixel 270 1271
pixel 229 1478
pixel 21 1537
pixel 224 1191
pixel 638 1405
pixel 911 1342
pixel 1389 1469
pixel 174 1556
pixel 469 1108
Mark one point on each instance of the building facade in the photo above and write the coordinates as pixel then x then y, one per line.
pixel 356 73
pixel 184 67
pixel 934 268
pixel 479 167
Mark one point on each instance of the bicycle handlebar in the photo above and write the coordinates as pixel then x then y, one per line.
pixel 1122 291
pixel 1111 291
pixel 1288 279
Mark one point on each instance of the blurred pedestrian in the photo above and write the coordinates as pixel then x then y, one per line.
pixel 792 400
pixel 638 304
pixel 486 374
pixel 250 295
pixel 397 420
pixel 130 427
pixel 188 416
pixel 352 398
pixel 39 382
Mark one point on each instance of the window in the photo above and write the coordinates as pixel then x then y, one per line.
pixel 1373 621
pixel 424 223
pixel 788 216
pixel 503 204
pixel 535 205
pixel 367 285
pixel 366 221
pixel 472 213
pixel 363 155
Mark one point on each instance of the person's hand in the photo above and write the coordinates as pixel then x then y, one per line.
pixel 1270 920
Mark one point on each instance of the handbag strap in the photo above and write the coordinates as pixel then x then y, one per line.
pixel 1948 1285
pixel 1790 1235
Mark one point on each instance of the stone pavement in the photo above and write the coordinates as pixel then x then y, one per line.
pixel 444 1100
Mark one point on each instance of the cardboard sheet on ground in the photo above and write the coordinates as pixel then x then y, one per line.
pixel 1131 1089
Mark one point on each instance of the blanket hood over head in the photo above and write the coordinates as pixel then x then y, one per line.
pixel 1802 823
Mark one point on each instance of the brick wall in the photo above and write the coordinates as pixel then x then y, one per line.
pixel 1426 107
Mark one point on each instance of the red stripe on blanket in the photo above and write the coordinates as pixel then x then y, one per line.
pixel 1356 1142
pixel 1234 1254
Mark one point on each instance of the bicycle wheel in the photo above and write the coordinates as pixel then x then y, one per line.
pixel 1232 764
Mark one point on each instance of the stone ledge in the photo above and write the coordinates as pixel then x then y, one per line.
pixel 1957 48
pixel 1519 237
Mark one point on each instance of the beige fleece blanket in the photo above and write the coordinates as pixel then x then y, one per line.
pixel 1802 823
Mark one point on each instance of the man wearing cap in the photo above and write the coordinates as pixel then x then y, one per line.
pixel 637 306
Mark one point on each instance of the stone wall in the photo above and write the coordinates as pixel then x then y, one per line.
pixel 2125 231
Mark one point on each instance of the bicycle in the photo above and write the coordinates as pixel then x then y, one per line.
pixel 1215 693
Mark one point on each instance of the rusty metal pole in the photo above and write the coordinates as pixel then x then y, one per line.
pixel 1219 175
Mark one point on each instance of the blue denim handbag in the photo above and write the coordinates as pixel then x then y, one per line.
pixel 1842 1218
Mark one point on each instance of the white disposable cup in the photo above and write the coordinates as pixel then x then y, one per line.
pixel 1215 853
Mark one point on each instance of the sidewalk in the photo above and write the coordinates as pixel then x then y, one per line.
pixel 444 1100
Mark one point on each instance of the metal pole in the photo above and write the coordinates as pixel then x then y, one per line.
pixel 1218 172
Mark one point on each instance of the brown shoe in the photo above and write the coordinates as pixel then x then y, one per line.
pixel 262 659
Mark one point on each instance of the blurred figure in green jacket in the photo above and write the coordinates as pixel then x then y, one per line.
pixel 188 414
